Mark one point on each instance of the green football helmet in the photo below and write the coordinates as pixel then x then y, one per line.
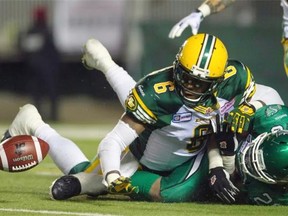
pixel 266 157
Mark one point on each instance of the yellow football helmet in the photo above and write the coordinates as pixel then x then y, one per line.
pixel 200 65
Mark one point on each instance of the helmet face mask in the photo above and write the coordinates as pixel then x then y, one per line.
pixel 192 88
pixel 265 157
pixel 199 67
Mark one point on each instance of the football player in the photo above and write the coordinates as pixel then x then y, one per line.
pixel 167 120
pixel 261 158
pixel 153 184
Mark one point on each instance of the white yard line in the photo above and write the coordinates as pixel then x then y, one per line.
pixel 52 212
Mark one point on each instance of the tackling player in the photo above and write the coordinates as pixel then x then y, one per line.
pixel 158 185
pixel 167 120
pixel 163 111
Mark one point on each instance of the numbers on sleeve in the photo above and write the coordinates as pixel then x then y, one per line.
pixel 230 71
pixel 163 87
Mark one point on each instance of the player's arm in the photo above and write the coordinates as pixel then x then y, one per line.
pixel 195 18
pixel 219 178
pixel 110 149
pixel 216 6
pixel 132 123
pixel 240 118
pixel 239 86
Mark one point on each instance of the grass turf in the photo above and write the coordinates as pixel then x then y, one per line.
pixel 27 193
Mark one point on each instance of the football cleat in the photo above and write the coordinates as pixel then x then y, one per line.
pixel 65 187
pixel 26 122
pixel 96 56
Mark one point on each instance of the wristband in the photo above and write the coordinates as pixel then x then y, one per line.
pixel 215 159
pixel 205 10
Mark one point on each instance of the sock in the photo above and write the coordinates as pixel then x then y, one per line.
pixel 65 153
pixel 121 82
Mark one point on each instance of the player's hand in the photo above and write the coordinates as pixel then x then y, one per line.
pixel 193 20
pixel 225 138
pixel 219 182
pixel 122 185
pixel 96 56
pixel 240 118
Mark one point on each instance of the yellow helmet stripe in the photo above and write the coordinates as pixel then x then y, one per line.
pixel 207 49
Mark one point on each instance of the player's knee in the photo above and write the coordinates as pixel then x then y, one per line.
pixel 155 191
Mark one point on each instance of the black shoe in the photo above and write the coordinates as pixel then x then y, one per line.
pixel 65 188
pixel 5 136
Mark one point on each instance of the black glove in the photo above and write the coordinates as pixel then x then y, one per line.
pixel 219 182
pixel 226 139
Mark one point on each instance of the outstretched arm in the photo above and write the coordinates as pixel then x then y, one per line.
pixel 109 152
pixel 194 19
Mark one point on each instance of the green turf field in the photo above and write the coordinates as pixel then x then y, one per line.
pixel 27 193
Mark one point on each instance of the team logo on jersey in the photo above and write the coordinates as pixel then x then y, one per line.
pixel 140 88
pixel 203 109
pixel 271 110
pixel 131 103
pixel 182 117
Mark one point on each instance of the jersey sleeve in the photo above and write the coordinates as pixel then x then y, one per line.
pixel 137 107
pixel 153 97
pixel 238 83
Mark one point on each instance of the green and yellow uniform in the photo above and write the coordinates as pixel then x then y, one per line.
pixel 174 143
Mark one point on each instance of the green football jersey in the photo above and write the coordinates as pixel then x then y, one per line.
pixel 174 132
pixel 266 119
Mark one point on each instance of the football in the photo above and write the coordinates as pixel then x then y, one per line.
pixel 21 153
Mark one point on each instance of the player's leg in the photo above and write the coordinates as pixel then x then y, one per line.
pixel 65 153
pixel 96 56
pixel 69 186
pixel 284 4
pixel 187 182
pixel 90 181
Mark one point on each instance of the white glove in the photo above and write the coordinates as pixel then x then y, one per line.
pixel 284 5
pixel 96 56
pixel 194 20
